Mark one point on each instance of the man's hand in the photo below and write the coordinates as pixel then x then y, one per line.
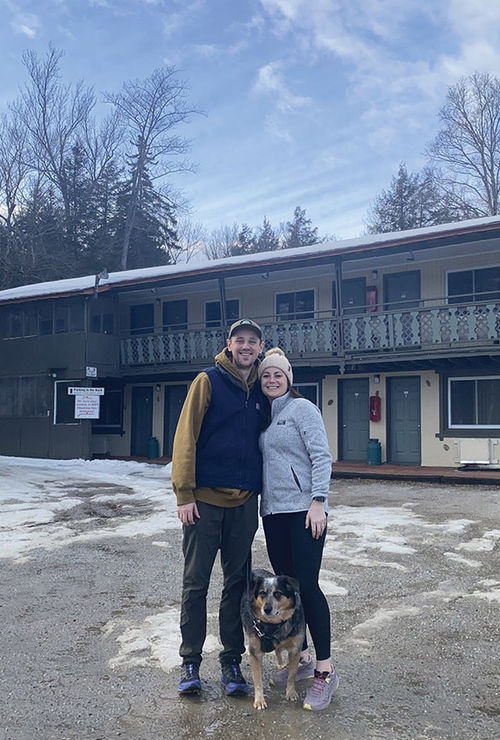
pixel 187 512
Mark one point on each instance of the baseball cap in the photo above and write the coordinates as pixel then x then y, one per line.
pixel 245 324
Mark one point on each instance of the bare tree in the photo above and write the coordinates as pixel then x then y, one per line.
pixel 55 117
pixel 222 242
pixel 192 240
pixel 468 145
pixel 150 111
pixel 13 168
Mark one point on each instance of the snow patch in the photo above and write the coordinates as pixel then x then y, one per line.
pixel 329 586
pixel 486 543
pixel 464 561
pixel 492 592
pixel 154 643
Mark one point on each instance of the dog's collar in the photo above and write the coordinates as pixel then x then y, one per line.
pixel 267 629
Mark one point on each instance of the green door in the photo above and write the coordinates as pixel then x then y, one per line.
pixel 142 420
pixel 402 290
pixel 404 441
pixel 354 426
pixel 353 295
pixel 174 398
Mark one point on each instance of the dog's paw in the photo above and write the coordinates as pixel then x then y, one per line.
pixel 291 694
pixel 260 703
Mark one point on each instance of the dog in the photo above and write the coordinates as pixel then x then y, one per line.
pixel 273 619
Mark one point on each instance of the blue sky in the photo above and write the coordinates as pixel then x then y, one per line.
pixel 308 102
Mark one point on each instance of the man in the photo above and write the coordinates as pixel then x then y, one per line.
pixel 216 475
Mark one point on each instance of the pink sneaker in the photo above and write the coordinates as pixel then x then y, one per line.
pixel 305 670
pixel 319 694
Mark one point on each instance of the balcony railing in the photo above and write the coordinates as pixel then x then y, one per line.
pixel 395 332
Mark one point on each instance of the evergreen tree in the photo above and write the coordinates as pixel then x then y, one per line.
pixel 299 232
pixel 246 241
pixel 412 201
pixel 152 234
pixel 267 241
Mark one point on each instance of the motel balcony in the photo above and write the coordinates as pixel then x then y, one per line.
pixel 430 330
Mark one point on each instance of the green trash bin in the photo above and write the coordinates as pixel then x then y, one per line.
pixel 374 452
pixel 153 448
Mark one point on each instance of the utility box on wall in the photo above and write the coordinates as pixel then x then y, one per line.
pixel 478 452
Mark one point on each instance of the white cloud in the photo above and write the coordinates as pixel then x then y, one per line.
pixel 173 22
pixel 26 24
pixel 270 80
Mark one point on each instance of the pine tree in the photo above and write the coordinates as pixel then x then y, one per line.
pixel 267 241
pixel 412 201
pixel 299 232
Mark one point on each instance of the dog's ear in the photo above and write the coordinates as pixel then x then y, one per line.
pixel 292 584
pixel 254 584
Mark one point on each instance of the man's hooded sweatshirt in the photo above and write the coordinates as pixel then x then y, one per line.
pixel 216 457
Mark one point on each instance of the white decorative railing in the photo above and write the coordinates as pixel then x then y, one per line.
pixel 398 330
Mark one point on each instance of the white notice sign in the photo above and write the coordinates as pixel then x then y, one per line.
pixel 86 406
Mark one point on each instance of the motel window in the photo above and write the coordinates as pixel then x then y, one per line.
pixel 102 323
pixel 474 402
pixel 466 286
pixel 8 397
pixel 295 305
pixel 309 391
pixel 212 312
pixel 45 318
pixel 64 404
pixel 110 419
pixel 174 315
pixel 142 319
pixel 27 396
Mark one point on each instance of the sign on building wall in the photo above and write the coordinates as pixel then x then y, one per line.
pixel 86 407
pixel 87 401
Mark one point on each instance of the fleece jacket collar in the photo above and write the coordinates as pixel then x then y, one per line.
pixel 279 403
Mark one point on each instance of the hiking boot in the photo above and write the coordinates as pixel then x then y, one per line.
pixel 190 678
pixel 232 679
pixel 305 670
pixel 319 694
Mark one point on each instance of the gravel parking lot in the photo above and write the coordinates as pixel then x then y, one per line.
pixel 90 584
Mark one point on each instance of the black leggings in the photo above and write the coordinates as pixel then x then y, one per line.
pixel 294 552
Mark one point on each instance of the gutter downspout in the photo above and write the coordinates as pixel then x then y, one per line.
pixel 222 297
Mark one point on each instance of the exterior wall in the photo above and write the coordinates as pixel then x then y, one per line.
pixel 435 452
pixel 42 438
pixel 72 352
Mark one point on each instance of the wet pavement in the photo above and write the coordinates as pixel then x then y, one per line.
pixel 89 628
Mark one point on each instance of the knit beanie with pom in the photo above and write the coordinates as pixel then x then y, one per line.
pixel 275 357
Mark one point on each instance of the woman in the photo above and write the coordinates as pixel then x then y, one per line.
pixel 294 506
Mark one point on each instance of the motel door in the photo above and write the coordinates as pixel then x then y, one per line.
pixel 354 422
pixel 174 398
pixel 142 420
pixel 403 420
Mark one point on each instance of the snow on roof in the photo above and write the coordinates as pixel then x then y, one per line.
pixel 71 286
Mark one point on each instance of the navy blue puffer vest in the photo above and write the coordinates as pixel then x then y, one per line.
pixel 227 451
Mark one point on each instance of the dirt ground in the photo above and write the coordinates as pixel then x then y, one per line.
pixel 411 571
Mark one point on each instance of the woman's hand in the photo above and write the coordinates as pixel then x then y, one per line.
pixel 316 519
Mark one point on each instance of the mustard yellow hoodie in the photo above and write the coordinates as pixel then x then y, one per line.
pixel 186 436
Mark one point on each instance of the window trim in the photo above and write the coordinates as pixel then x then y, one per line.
pixel 180 326
pixel 219 324
pixel 460 427
pixel 468 269
pixel 286 317
pixel 75 422
pixel 299 384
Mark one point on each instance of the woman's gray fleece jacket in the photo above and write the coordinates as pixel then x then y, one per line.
pixel 297 461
